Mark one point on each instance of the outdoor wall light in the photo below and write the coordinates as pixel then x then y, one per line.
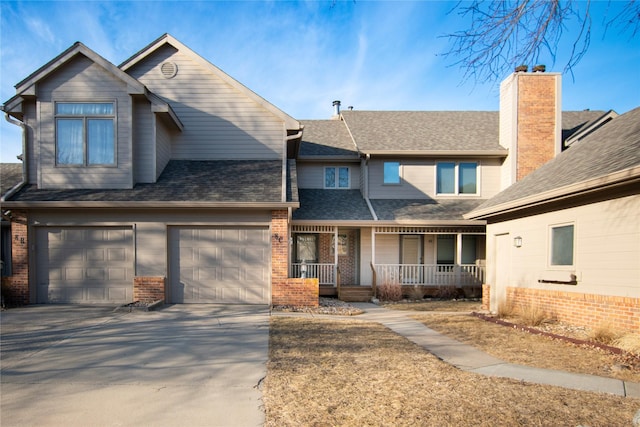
pixel 517 241
pixel 303 270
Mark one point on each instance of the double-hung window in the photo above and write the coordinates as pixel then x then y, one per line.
pixel 562 245
pixel 457 178
pixel 336 177
pixel 85 133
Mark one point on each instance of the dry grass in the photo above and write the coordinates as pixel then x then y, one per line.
pixel 532 315
pixel 520 347
pixel 604 334
pixel 390 292
pixel 436 305
pixel 351 373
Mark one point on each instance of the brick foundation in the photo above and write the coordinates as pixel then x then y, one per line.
pixel 486 297
pixel 593 311
pixel 149 288
pixel 15 288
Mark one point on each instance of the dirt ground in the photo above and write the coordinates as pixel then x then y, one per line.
pixel 325 372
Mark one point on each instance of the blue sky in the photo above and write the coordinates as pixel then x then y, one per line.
pixel 301 56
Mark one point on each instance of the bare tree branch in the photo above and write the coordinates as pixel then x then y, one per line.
pixel 507 33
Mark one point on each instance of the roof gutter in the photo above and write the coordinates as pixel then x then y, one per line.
pixel 159 204
pixel 18 186
pixel 440 153
pixel 613 180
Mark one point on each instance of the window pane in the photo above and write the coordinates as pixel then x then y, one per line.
pixel 468 177
pixel 469 250
pixel 391 172
pixel 343 177
pixel 446 249
pixel 562 245
pixel 100 142
pixel 69 142
pixel 306 248
pixel 445 178
pixel 85 109
pixel 329 177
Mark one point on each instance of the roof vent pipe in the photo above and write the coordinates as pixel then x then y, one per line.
pixel 336 108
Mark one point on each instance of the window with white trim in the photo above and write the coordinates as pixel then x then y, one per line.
pixel 562 245
pixel 457 178
pixel 337 177
pixel 391 173
pixel 85 133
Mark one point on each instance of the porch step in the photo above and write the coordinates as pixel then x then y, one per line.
pixel 355 293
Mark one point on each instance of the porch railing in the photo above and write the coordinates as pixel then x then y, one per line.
pixel 324 272
pixel 430 275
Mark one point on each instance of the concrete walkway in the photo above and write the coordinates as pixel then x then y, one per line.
pixel 470 359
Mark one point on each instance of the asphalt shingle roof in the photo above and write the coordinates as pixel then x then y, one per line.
pixel 439 130
pixel 246 181
pixel 326 138
pixel 10 175
pixel 423 210
pixel 317 204
pixel 612 148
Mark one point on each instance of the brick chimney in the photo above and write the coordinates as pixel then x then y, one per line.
pixel 530 122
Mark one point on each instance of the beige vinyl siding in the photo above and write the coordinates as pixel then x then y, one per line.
pixel 366 275
pixel 387 249
pixel 418 179
pixel 163 145
pixel 143 145
pixel 311 175
pixel 219 121
pixel 607 249
pixel 81 80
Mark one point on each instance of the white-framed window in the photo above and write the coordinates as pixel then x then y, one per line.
pixel 457 178
pixel 562 245
pixel 337 177
pixel 85 133
pixel 391 173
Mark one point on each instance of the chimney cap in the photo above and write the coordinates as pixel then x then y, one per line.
pixel 336 103
pixel 522 69
pixel 540 68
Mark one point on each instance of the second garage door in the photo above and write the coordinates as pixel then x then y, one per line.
pixel 219 265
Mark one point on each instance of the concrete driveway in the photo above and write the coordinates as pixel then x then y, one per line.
pixel 185 365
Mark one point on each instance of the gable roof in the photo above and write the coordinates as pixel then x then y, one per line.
pixel 345 205
pixel 10 176
pixel 326 139
pixel 244 183
pixel 289 121
pixel 608 156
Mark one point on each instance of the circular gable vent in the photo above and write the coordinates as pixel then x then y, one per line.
pixel 169 69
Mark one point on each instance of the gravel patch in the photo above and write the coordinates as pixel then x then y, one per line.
pixel 325 306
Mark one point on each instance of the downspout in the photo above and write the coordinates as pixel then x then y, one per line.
pixel 284 161
pixel 18 186
pixel 366 187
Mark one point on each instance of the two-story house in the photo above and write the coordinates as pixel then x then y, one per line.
pixel 160 178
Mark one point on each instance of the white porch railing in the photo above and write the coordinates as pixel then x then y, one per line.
pixel 430 275
pixel 324 272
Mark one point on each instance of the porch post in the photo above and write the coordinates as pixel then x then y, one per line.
pixel 458 263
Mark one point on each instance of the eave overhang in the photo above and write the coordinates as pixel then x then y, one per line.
pixel 630 176
pixel 438 153
pixel 146 205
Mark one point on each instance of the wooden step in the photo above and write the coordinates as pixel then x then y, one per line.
pixel 355 293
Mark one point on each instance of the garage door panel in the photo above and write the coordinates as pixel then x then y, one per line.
pixel 84 265
pixel 219 265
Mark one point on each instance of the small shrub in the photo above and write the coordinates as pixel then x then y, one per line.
pixel 532 315
pixel 472 291
pixel 390 292
pixel 447 292
pixel 416 292
pixel 604 334
pixel 629 342
pixel 505 309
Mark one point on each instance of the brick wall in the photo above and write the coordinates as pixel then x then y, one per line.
pixel 15 288
pixel 149 288
pixel 285 290
pixel 593 311
pixel 537 100
pixel 486 297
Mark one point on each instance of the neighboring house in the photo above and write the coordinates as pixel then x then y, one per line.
pixel 161 178
pixel 566 238
pixel 164 178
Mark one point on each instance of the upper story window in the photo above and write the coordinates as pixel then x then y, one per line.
pixel 85 133
pixel 457 178
pixel 562 240
pixel 336 177
pixel 391 173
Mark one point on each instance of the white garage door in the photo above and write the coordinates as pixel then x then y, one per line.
pixel 219 265
pixel 84 265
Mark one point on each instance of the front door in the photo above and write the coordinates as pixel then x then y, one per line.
pixel 411 257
